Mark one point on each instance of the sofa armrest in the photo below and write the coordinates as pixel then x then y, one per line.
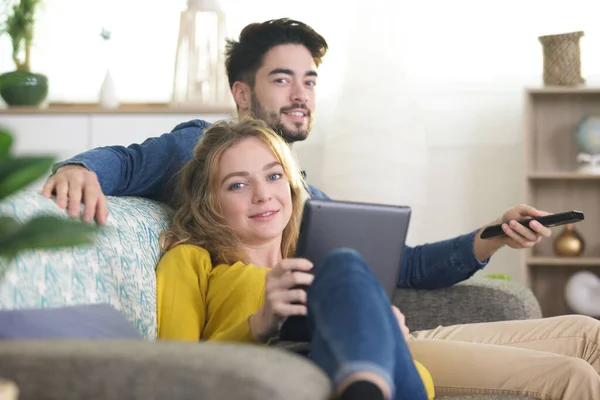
pixel 118 269
pixel 112 370
pixel 474 300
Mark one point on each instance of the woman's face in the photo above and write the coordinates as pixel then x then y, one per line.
pixel 253 192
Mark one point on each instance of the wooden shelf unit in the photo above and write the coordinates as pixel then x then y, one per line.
pixel 553 183
pixel 573 176
pixel 565 262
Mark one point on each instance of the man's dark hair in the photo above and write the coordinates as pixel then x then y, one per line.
pixel 244 57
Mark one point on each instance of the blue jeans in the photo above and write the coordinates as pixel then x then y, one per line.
pixel 353 328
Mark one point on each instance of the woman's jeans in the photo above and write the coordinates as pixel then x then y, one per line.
pixel 353 327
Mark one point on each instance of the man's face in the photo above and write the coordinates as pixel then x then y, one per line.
pixel 284 91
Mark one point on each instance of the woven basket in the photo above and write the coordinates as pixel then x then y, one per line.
pixel 562 59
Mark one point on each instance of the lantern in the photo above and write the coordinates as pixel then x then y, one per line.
pixel 200 77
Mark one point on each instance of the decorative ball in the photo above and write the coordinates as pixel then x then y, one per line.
pixel 569 242
pixel 582 293
pixel 587 135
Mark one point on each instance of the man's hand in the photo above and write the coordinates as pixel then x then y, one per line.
pixel 74 183
pixel 517 236
pixel 280 297
pixel 401 322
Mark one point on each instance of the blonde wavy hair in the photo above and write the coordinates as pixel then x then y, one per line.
pixel 197 219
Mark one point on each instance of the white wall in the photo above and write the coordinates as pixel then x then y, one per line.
pixel 428 111
pixel 420 101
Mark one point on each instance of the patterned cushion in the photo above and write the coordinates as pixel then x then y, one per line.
pixel 118 269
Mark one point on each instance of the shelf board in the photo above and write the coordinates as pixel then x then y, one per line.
pixel 562 175
pixel 577 89
pixel 125 108
pixel 564 261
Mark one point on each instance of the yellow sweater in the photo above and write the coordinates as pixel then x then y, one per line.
pixel 199 301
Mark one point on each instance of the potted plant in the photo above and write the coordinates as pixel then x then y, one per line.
pixel 22 87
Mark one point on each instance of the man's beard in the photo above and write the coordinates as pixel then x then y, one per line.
pixel 273 119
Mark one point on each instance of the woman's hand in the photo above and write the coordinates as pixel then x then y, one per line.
pixel 280 297
pixel 401 322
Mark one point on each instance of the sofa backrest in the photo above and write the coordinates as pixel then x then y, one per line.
pixel 118 269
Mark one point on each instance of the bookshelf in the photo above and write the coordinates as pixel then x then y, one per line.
pixel 553 183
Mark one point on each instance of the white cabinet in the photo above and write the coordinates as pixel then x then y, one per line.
pixel 63 132
pixel 107 130
pixel 60 135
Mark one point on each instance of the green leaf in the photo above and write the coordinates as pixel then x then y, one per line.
pixel 8 225
pixel 44 232
pixel 6 141
pixel 17 173
pixel 498 276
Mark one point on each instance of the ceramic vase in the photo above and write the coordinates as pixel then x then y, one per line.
pixel 569 242
pixel 22 88
pixel 108 93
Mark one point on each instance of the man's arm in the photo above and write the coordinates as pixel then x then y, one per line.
pixel 316 193
pixel 440 264
pixel 141 169
pixel 445 263
pixel 434 265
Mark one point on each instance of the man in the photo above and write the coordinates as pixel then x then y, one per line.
pixel 272 73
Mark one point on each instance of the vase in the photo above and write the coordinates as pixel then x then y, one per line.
pixel 23 88
pixel 108 92
pixel 569 242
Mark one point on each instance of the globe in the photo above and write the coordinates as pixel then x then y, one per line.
pixel 587 135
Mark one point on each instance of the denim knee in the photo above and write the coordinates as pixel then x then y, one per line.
pixel 344 255
pixel 341 262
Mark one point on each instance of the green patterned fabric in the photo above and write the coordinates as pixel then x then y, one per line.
pixel 118 269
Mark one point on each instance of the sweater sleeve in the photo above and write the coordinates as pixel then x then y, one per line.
pixel 240 332
pixel 181 287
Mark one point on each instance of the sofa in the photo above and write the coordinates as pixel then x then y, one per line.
pixel 118 269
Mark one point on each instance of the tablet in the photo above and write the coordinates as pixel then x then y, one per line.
pixel 376 231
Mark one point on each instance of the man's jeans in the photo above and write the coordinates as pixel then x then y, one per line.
pixel 353 327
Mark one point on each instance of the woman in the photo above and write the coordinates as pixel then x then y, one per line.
pixel 228 275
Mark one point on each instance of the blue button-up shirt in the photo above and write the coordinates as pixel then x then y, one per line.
pixel 147 170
